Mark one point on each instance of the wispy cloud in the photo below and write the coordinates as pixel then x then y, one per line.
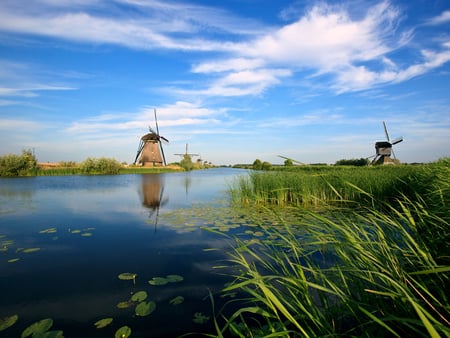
pixel 353 52
pixel 444 17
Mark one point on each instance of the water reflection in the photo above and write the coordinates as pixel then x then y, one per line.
pixel 152 194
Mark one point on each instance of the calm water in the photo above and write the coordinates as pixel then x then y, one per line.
pixel 90 229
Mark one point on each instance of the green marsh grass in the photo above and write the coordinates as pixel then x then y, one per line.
pixel 326 185
pixel 378 269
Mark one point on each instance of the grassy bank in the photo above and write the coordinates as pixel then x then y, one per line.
pixel 316 186
pixel 378 269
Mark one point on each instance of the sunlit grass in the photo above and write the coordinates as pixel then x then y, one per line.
pixel 380 268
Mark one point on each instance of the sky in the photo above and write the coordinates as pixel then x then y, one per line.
pixel 236 80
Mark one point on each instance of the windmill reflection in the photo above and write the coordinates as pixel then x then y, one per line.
pixel 153 194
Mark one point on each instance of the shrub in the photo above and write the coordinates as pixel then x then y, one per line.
pixel 186 163
pixel 18 165
pixel 355 162
pixel 100 166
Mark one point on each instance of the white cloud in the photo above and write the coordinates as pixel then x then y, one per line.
pixel 440 19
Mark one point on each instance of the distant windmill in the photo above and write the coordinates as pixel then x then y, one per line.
pixel 150 150
pixel 383 149
pixel 187 154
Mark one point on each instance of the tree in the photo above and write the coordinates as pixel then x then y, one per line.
pixel 18 165
pixel 257 164
pixel 186 162
pixel 266 165
pixel 288 162
pixel 355 162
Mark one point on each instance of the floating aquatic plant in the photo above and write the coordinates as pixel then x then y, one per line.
pixel 48 231
pixel 30 250
pixel 145 308
pixel 139 296
pixel 103 323
pixel 123 332
pixel 12 260
pixel 38 328
pixel 158 281
pixel 177 300
pixel 200 318
pixel 128 276
pixel 165 280
pixel 8 321
pixel 125 304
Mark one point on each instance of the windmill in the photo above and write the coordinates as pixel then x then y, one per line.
pixel 383 149
pixel 187 154
pixel 150 150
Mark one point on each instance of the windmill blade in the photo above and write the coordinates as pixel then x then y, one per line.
pixel 164 139
pixel 393 154
pixel 397 140
pixel 386 131
pixel 287 158
pixel 162 152
pixel 156 121
pixel 140 147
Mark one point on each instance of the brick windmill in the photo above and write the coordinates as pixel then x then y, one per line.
pixel 383 149
pixel 150 151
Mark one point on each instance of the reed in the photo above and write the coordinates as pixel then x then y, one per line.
pixel 370 271
pixel 333 185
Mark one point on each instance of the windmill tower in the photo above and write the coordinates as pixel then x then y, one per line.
pixel 383 149
pixel 150 151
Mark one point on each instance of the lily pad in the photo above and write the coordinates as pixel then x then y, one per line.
pixel 103 323
pixel 174 278
pixel 139 296
pixel 125 304
pixel 127 276
pixel 177 300
pixel 38 328
pixel 50 334
pixel 158 281
pixel 12 260
pixel 86 234
pixel 9 321
pixel 145 308
pixel 123 332
pixel 29 250
pixel 48 231
pixel 200 318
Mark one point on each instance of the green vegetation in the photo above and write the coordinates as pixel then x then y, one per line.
pixel 26 165
pixel 18 165
pixel 372 260
pixel 100 166
pixel 355 162
pixel 186 163
pixel 258 165
pixel 324 185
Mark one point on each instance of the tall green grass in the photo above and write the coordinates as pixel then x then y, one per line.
pixel 370 271
pixel 326 186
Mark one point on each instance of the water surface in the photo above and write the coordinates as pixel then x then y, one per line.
pixel 83 231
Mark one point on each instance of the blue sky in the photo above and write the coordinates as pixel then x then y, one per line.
pixel 235 79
